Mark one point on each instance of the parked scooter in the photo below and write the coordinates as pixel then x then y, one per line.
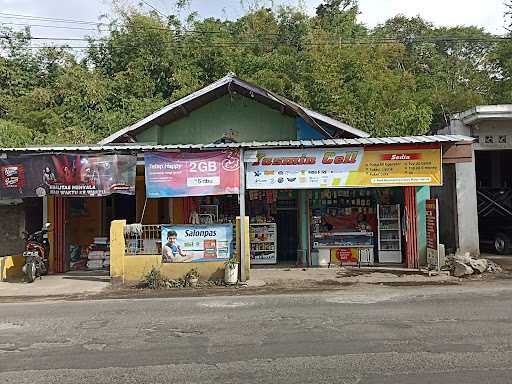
pixel 36 253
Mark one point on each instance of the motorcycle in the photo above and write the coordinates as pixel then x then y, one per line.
pixel 36 253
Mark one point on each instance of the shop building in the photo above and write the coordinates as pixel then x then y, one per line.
pixel 314 190
pixel 484 209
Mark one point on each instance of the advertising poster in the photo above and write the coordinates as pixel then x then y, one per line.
pixel 67 175
pixel 345 167
pixel 192 174
pixel 197 243
pixel 432 218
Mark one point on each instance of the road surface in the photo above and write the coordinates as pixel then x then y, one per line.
pixel 354 335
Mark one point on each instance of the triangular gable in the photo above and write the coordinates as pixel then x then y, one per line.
pixel 328 127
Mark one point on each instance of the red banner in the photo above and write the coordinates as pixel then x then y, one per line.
pixel 192 174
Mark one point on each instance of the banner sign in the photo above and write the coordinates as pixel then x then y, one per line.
pixel 432 218
pixel 192 174
pixel 345 167
pixel 67 175
pixel 195 243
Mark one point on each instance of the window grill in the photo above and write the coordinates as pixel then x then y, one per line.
pixel 143 239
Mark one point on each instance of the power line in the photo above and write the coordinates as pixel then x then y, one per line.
pixel 357 41
pixel 42 18
pixel 51 26
pixel 154 8
pixel 238 44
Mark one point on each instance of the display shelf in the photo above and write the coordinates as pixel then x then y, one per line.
pixel 267 231
pixel 389 244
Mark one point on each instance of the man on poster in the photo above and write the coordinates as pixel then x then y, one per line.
pixel 171 251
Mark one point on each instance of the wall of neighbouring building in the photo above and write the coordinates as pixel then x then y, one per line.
pixel 248 119
pixel 12 241
pixel 446 196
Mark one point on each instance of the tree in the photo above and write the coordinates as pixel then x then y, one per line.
pixel 403 77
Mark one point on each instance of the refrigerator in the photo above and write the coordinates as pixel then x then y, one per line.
pixel 389 233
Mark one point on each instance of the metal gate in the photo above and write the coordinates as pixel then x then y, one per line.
pixel 61 235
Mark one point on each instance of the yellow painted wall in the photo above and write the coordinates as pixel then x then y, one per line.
pixel 10 267
pixel 117 248
pixel 135 267
pixel 247 256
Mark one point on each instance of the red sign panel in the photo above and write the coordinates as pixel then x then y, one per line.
pixel 432 223
pixel 13 176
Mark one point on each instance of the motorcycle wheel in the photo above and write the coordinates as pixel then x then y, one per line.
pixel 46 265
pixel 30 273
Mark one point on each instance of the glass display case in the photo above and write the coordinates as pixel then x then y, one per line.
pixel 263 243
pixel 343 239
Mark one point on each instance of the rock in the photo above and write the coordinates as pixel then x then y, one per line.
pixel 461 269
pixel 493 267
pixel 464 259
pixel 479 265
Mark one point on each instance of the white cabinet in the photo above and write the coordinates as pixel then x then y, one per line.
pixel 263 243
pixel 390 240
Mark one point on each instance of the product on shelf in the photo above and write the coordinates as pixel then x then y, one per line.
pixel 98 256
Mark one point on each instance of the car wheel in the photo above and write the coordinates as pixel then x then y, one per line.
pixel 501 243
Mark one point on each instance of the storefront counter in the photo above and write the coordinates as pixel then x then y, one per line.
pixel 345 248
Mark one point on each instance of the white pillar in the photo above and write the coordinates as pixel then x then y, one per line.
pixel 466 200
pixel 241 199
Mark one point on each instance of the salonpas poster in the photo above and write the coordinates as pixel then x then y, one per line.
pixel 375 166
pixel 200 242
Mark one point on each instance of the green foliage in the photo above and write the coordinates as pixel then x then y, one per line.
pixel 330 62
pixel 192 274
pixel 152 280
pixel 14 135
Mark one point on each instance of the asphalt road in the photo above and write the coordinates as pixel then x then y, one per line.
pixel 355 335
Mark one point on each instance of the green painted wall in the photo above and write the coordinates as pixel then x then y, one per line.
pixel 249 119
pixel 422 194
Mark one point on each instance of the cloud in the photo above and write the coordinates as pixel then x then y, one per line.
pixel 488 14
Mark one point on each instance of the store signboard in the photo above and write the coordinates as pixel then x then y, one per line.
pixel 379 166
pixel 199 243
pixel 432 219
pixel 67 175
pixel 171 174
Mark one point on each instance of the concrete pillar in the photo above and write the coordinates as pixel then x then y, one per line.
pixel 466 201
pixel 117 248
pixel 303 226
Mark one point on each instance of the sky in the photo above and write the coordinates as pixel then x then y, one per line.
pixel 483 13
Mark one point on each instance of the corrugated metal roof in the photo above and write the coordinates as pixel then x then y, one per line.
pixel 254 144
pixel 226 80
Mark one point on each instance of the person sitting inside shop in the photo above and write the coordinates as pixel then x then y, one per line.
pixel 171 251
pixel 362 224
pixel 326 226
